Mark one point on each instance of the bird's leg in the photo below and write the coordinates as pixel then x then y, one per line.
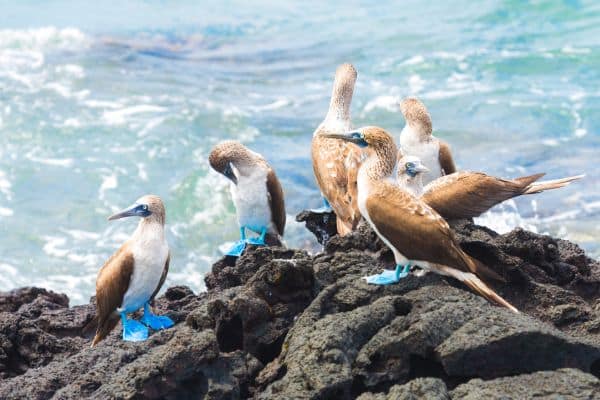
pixel 259 241
pixel 133 331
pixel 238 248
pixel 155 322
pixel 326 208
pixel 389 277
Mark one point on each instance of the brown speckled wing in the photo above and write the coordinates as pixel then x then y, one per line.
pixel 111 285
pixel 446 160
pixel 416 230
pixel 469 194
pixel 335 164
pixel 276 201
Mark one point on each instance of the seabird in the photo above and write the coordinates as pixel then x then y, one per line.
pixel 133 275
pixel 415 233
pixel 335 163
pixel 468 194
pixel 256 193
pixel 416 140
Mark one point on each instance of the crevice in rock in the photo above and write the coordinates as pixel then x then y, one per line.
pixel 230 334
pixel 267 353
pixel 426 367
pixel 595 368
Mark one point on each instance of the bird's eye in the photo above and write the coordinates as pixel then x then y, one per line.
pixel 409 165
pixel 358 135
pixel 145 207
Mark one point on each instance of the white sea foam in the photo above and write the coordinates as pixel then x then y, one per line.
pixel 150 125
pixel 386 102
pixel 42 38
pixel 417 59
pixel 5 185
pixel 568 49
pixel 109 182
pixel 57 162
pixel 415 83
pixel 120 116
pixel 505 217
pixel 6 212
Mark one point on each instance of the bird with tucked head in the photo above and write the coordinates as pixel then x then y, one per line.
pixel 256 193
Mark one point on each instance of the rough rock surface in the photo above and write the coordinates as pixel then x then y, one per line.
pixel 280 323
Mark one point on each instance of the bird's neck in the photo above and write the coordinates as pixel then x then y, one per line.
pixel 414 185
pixel 150 228
pixel 414 133
pixel 339 106
pixel 380 164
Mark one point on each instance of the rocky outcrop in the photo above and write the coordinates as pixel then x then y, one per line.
pixel 281 323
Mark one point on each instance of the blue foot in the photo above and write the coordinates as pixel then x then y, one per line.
pixel 156 322
pixel 133 331
pixel 388 277
pixel 237 249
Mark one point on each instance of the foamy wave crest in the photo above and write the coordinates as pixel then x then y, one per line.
pixel 42 38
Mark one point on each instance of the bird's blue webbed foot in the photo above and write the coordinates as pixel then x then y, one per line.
pixel 156 322
pixel 238 248
pixel 133 331
pixel 258 241
pixel 326 208
pixel 389 277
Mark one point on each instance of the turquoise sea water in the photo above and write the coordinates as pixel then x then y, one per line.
pixel 102 102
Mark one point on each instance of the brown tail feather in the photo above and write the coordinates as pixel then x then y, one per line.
pixel 484 290
pixel 105 327
pixel 478 286
pixel 479 268
pixel 538 187
pixel 525 181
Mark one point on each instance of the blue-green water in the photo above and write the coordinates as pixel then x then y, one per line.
pixel 102 102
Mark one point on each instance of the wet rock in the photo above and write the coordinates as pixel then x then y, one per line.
pixel 567 384
pixel 322 225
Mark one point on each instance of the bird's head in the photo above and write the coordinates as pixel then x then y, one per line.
pixel 416 115
pixel 411 166
pixel 147 207
pixel 233 159
pixel 370 137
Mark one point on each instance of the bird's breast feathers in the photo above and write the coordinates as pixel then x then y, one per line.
pixel 251 200
pixel 150 256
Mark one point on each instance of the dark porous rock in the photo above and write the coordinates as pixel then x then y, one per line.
pixel 322 224
pixel 564 384
pixel 496 344
pixel 282 323
pixel 37 326
pixel 417 389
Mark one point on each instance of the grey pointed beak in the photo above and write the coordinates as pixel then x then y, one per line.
pixel 136 210
pixel 348 137
pixel 421 168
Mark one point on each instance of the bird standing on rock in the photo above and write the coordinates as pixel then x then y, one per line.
pixel 416 139
pixel 468 194
pixel 256 193
pixel 415 233
pixel 132 277
pixel 336 163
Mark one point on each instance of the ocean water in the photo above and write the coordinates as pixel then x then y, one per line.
pixel 103 102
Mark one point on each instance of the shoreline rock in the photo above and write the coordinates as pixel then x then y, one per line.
pixel 281 323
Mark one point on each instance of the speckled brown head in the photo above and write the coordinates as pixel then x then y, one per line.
pixel 343 89
pixel 229 154
pixel 416 115
pixel 149 207
pixel 377 142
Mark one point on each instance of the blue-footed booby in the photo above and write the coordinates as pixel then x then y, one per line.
pixel 417 140
pixel 132 276
pixel 335 163
pixel 256 193
pixel 415 233
pixel 468 194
